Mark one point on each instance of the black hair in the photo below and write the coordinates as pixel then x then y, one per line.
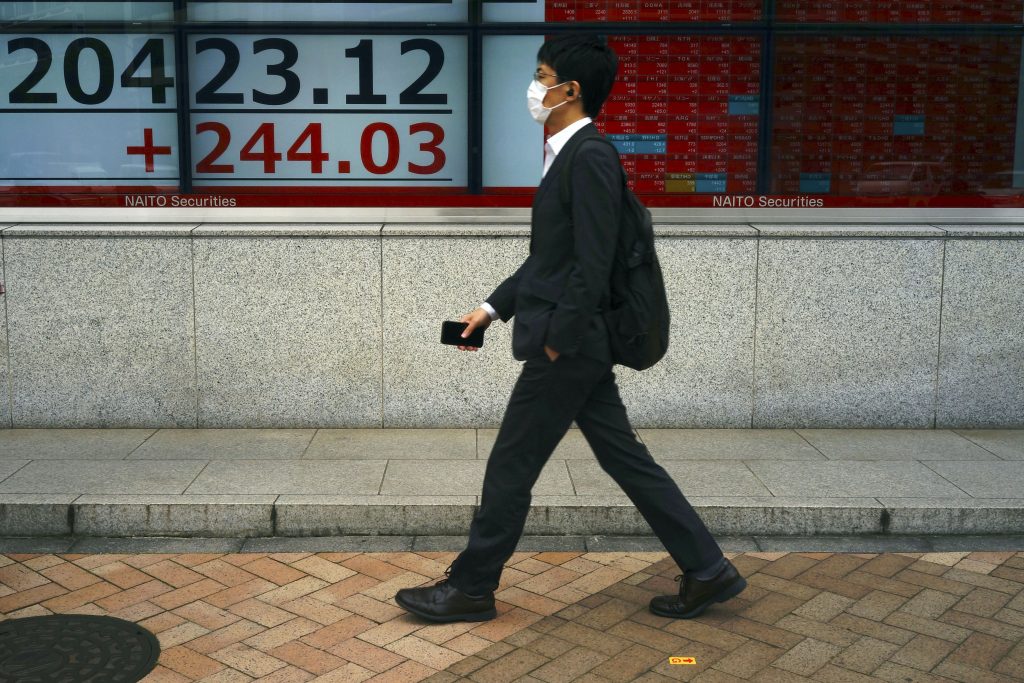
pixel 586 59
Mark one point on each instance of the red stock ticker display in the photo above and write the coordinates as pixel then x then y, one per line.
pixel 797 11
pixel 644 10
pixel 900 115
pixel 901 11
pixel 684 112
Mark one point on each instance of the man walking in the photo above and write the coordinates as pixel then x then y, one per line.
pixel 557 296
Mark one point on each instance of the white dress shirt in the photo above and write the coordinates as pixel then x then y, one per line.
pixel 557 141
pixel 552 147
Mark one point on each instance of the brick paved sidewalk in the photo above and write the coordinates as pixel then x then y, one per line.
pixel 563 616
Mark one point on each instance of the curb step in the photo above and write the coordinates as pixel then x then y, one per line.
pixel 621 544
pixel 228 516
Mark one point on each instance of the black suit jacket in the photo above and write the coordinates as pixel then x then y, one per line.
pixel 559 291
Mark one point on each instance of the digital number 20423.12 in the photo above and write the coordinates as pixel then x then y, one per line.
pixel 215 88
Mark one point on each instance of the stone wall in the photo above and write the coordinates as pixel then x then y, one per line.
pixel 338 325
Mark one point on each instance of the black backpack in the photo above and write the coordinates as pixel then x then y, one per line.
pixel 638 316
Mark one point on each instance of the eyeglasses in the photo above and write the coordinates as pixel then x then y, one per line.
pixel 538 75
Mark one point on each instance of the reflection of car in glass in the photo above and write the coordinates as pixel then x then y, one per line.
pixel 903 178
pixel 29 164
pixel 53 170
pixel 1004 189
pixel 50 165
pixel 158 171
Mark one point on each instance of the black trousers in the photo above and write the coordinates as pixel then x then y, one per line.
pixel 545 400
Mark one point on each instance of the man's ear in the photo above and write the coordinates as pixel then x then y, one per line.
pixel 573 89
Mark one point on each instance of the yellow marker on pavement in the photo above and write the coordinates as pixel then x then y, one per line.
pixel 682 660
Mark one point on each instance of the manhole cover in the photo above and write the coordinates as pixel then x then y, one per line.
pixel 75 648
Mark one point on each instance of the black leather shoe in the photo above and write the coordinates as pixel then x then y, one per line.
pixel 444 602
pixel 695 596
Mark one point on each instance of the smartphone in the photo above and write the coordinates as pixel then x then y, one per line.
pixel 451 333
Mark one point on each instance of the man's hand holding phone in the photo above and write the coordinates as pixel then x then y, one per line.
pixel 477 319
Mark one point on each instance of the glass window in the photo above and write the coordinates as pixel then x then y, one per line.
pixel 89 111
pixel 66 12
pixel 949 12
pixel 847 109
pixel 683 114
pixel 513 143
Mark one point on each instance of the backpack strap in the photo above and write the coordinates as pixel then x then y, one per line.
pixel 565 189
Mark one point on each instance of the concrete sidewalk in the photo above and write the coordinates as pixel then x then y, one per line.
pixel 426 482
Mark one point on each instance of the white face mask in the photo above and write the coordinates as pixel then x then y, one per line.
pixel 535 100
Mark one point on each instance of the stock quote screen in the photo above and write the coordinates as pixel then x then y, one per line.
pixel 343 111
pixel 825 103
pixel 685 111
pixel 873 116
